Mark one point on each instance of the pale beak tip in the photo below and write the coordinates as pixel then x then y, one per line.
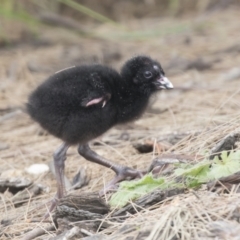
pixel 169 86
pixel 166 83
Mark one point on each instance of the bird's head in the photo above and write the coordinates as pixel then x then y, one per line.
pixel 145 73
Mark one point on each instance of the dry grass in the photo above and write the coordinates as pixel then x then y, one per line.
pixel 188 216
pixel 213 112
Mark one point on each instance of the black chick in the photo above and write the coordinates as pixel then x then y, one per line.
pixel 80 103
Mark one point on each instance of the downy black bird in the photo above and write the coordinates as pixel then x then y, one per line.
pixel 80 103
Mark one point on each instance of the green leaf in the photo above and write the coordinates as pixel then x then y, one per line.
pixel 134 189
pixel 210 169
pixel 198 171
pixel 225 167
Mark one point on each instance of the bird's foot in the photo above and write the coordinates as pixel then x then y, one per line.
pixel 123 173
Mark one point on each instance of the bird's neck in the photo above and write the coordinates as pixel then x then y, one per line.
pixel 131 103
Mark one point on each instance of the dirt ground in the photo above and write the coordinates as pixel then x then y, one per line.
pixel 200 54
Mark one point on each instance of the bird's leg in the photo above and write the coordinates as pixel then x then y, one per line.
pixel 59 158
pixel 122 172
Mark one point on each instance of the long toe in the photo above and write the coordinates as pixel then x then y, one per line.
pixel 124 173
pixel 54 203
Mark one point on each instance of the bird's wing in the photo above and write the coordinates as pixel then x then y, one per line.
pixel 103 100
pixel 97 92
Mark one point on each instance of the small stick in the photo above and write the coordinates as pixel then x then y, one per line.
pixel 37 232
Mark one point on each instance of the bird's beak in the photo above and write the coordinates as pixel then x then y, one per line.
pixel 163 83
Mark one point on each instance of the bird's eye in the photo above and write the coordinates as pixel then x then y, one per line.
pixel 147 74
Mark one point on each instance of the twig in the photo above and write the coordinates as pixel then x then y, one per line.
pixel 37 232
pixel 226 144
pixel 10 115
